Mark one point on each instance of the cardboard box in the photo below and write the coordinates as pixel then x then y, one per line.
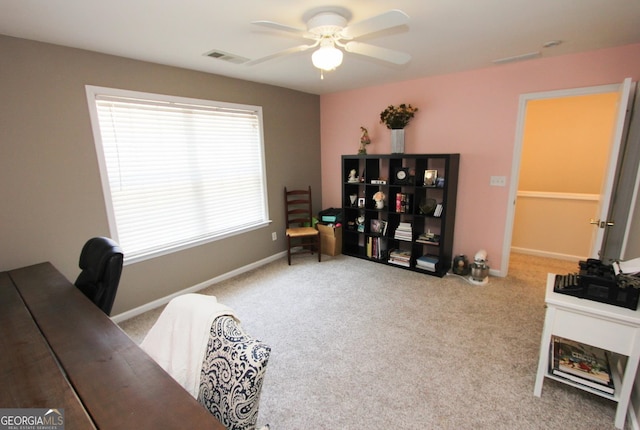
pixel 330 239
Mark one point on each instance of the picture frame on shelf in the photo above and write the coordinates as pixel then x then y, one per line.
pixel 361 202
pixel 430 178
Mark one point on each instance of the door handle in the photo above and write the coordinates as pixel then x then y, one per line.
pixel 601 224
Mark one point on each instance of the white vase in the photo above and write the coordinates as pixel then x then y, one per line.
pixel 397 141
pixel 379 204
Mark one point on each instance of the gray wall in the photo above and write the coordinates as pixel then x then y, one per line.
pixel 51 194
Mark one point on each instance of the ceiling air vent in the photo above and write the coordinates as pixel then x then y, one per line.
pixel 225 56
pixel 520 57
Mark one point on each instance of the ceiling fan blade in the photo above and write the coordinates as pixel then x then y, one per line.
pixel 286 28
pixel 295 49
pixel 389 19
pixel 384 54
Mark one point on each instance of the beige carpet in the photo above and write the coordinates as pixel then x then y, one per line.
pixel 358 345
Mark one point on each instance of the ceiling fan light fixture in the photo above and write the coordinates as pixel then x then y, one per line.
pixel 327 57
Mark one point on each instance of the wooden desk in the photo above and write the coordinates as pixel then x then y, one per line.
pixel 61 351
pixel 609 327
pixel 29 373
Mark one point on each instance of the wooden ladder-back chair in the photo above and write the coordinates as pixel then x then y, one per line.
pixel 300 231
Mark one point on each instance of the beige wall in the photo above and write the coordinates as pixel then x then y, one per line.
pixel 51 193
pixel 566 143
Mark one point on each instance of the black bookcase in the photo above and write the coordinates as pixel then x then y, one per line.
pixel 420 191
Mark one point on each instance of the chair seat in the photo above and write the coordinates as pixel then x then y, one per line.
pixel 301 231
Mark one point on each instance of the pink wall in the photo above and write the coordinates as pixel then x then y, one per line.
pixel 472 113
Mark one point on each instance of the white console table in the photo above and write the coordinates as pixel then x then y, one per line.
pixel 609 327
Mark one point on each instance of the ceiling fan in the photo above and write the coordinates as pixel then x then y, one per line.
pixel 328 29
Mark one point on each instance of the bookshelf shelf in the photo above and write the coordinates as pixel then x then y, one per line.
pixel 612 328
pixel 411 208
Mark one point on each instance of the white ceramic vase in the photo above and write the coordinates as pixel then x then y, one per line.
pixel 397 140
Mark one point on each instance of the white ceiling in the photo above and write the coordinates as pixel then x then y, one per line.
pixel 442 36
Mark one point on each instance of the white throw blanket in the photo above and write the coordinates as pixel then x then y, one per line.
pixel 178 340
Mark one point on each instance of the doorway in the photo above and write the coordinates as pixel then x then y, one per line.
pixel 552 180
pixel 565 148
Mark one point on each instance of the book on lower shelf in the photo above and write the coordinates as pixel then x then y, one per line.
pixel 427 262
pixel 376 247
pixel 581 363
pixel 400 257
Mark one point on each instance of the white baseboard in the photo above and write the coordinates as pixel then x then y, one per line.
pixel 164 300
pixel 539 253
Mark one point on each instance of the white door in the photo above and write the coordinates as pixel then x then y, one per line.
pixel 621 240
pixel 601 223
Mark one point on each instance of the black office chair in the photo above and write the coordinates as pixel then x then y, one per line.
pixel 101 265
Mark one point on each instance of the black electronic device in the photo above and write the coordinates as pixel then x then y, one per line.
pixel 598 282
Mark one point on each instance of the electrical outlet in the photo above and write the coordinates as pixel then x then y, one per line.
pixel 274 236
pixel 498 181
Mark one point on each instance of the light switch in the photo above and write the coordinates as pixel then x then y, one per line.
pixel 498 181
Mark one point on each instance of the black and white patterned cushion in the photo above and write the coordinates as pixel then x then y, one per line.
pixel 232 374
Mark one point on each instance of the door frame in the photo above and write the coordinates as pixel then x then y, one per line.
pixel 517 153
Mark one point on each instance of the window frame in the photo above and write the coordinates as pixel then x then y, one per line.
pixel 93 91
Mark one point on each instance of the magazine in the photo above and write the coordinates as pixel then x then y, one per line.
pixel 590 365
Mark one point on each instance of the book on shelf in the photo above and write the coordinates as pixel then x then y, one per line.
pixel 437 212
pixel 380 248
pixel 587 383
pixel 400 257
pixel 404 232
pixel 581 363
pixel 376 247
pixel 427 262
pixel 428 238
pixel 403 202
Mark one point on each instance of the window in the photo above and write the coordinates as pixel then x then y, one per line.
pixel 177 172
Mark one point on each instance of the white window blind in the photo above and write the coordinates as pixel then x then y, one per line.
pixel 177 172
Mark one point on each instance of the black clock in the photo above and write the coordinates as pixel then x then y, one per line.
pixel 402 175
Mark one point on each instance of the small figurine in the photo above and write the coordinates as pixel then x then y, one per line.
pixel 352 176
pixel 379 199
pixel 364 141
